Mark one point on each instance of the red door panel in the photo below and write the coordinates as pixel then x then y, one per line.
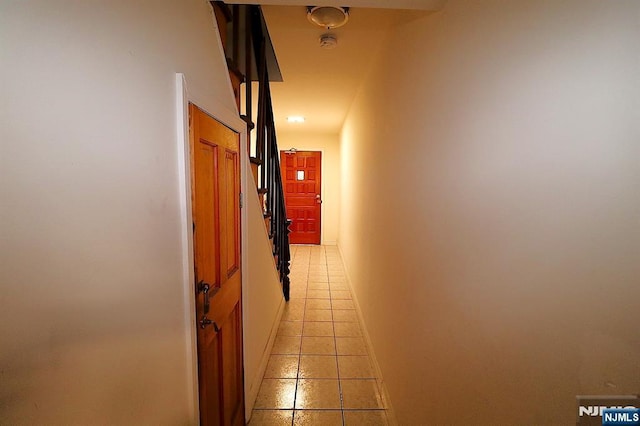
pixel 302 183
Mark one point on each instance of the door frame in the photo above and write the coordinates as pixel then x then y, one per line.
pixel 228 117
pixel 322 184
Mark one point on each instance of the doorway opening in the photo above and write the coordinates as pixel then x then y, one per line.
pixel 302 182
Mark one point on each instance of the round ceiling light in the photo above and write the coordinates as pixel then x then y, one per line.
pixel 328 16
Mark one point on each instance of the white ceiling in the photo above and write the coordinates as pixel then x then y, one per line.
pixel 320 84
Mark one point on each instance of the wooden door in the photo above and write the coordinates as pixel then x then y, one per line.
pixel 216 227
pixel 302 183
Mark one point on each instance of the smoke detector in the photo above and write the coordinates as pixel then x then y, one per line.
pixel 328 16
pixel 328 41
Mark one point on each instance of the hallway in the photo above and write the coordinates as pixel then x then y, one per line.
pixel 319 372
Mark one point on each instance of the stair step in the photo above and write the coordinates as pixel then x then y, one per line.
pixel 223 17
pixel 247 120
pixel 233 69
pixel 255 160
pixel 225 9
pixel 262 191
pixel 255 173
pixel 267 215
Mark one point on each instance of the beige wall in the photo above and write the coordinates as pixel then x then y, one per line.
pixel 94 324
pixel 489 210
pixel 263 299
pixel 329 144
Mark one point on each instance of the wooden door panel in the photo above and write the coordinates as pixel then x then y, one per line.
pixel 216 217
pixel 210 383
pixel 232 218
pixel 206 243
pixel 232 365
pixel 222 373
pixel 299 202
pixel 302 185
pixel 224 302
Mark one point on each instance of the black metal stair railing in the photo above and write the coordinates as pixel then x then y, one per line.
pixel 249 51
pixel 267 154
pixel 275 203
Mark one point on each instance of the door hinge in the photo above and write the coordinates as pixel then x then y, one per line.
pixel 241 200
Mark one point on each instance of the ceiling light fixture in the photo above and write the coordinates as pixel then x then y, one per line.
pixel 328 17
pixel 295 119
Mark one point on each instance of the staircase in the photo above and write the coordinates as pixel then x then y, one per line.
pixel 251 58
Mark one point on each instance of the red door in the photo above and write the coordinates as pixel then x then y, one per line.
pixel 301 180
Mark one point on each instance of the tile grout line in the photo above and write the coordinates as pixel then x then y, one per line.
pixel 335 342
pixel 295 395
pixel 304 310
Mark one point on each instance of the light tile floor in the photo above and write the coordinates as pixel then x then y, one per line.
pixel 319 372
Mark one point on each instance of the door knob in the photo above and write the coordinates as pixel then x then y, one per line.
pixel 318 199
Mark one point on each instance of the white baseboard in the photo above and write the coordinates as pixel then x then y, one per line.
pixel 252 394
pixel 384 393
